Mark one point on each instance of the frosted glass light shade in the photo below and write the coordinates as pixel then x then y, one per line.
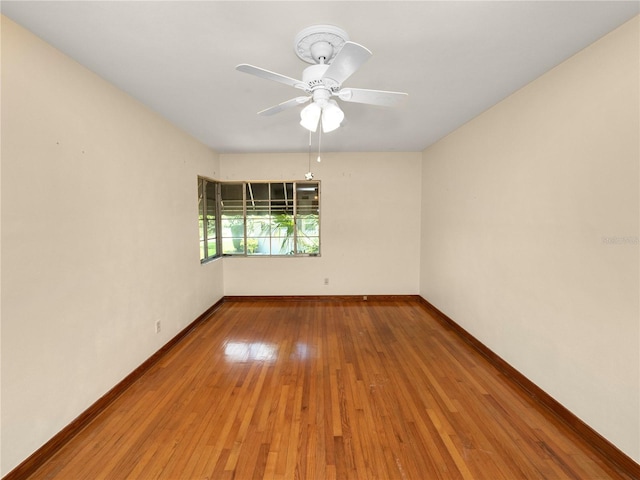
pixel 332 116
pixel 309 116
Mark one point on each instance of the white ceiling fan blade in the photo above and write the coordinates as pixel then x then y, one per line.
pixel 276 77
pixel 347 61
pixel 372 97
pixel 284 105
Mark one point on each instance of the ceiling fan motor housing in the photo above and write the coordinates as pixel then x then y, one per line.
pixel 313 78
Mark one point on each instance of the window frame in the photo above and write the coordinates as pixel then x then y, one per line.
pixel 203 221
pixel 273 233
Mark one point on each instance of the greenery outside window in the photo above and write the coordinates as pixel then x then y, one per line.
pixel 232 220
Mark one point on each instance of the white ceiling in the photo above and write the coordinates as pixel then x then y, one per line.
pixel 455 59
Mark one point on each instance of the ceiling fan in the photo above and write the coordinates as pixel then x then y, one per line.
pixel 334 59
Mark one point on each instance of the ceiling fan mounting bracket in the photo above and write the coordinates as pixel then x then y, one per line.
pixel 319 43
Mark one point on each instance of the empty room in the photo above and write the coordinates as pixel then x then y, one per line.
pixel 320 240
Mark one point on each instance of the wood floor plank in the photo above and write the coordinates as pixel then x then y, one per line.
pixel 325 390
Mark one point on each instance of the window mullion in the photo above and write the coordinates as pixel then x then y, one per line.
pixel 203 188
pixel 205 222
pixel 270 217
pixel 218 220
pixel 295 219
pixel 244 214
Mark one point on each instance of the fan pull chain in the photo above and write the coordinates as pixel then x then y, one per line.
pixel 309 156
pixel 319 143
pixel 309 175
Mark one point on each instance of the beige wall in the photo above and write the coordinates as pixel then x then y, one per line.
pixel 99 239
pixel 530 232
pixel 370 226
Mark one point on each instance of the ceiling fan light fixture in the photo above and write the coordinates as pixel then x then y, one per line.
pixel 310 116
pixel 332 116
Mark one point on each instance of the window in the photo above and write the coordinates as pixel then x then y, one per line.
pixel 232 218
pixel 270 218
pixel 308 217
pixel 207 206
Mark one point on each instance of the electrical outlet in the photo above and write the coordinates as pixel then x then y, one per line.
pixel 157 326
pixel 326 281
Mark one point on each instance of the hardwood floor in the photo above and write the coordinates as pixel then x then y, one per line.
pixel 324 390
